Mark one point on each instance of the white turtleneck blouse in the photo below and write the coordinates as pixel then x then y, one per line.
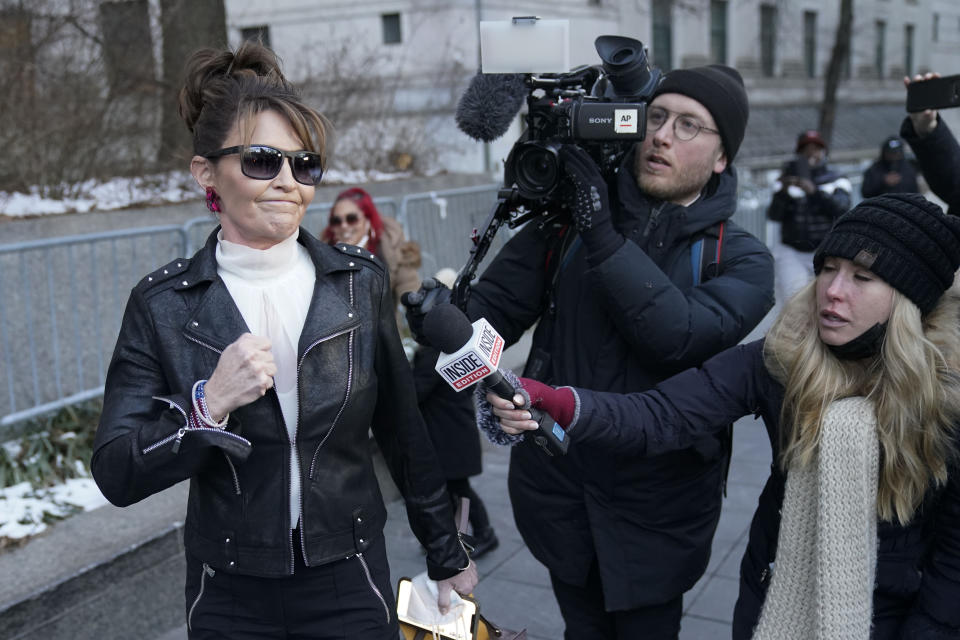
pixel 273 288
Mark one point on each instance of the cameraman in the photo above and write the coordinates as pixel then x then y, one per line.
pixel 617 309
pixel 936 148
pixel 808 197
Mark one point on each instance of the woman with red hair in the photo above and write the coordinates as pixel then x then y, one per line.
pixel 354 219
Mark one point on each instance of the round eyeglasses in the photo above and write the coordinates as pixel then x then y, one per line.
pixel 685 127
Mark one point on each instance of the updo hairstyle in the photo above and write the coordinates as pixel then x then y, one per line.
pixel 223 87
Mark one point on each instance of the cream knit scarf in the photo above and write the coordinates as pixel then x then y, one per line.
pixel 822 586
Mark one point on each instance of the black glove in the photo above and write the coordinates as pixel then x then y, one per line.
pixel 590 206
pixel 419 303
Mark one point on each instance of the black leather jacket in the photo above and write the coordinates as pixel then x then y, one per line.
pixel 352 374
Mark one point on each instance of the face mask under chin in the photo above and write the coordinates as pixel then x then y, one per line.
pixel 866 345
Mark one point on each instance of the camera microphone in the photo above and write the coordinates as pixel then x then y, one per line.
pixel 489 105
pixel 470 353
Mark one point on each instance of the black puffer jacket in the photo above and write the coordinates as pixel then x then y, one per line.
pixel 806 218
pixel 918 565
pixel 624 325
pixel 352 375
pixel 938 155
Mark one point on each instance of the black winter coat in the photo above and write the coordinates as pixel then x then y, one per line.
pixel 623 325
pixel 352 376
pixel 873 178
pixel 918 566
pixel 938 155
pixel 449 416
pixel 806 219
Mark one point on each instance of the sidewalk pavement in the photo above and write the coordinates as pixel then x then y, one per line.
pixel 514 589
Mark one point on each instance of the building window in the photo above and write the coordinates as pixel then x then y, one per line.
pixel 768 39
pixel 391 28
pixel 257 34
pixel 810 42
pixel 718 31
pixel 936 27
pixel 880 34
pixel 908 49
pixel 663 34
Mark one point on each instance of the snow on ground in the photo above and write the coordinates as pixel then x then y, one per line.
pixel 23 509
pixel 176 186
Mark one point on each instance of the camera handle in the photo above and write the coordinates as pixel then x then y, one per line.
pixel 504 211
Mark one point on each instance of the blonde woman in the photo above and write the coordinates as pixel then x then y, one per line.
pixel 857 531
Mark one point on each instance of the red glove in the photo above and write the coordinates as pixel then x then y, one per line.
pixel 561 404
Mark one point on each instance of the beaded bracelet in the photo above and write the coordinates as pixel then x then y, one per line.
pixel 200 407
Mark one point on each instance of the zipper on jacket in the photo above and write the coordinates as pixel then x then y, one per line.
pixel 303 528
pixel 207 571
pixel 652 220
pixel 233 470
pixel 366 570
pixel 336 418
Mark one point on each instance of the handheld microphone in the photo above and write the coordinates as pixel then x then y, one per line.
pixel 489 105
pixel 470 353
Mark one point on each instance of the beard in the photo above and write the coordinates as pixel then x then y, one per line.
pixel 681 185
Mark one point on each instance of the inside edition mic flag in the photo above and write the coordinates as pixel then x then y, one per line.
pixel 470 353
pixel 489 105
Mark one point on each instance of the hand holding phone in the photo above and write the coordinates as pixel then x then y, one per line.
pixel 933 92
pixel 925 121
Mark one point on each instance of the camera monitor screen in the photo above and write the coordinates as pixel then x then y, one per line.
pixel 525 45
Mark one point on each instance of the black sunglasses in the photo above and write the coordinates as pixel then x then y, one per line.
pixel 351 219
pixel 262 162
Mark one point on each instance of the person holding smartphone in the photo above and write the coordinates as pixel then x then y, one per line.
pixel 936 148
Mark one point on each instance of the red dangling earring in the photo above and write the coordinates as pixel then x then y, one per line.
pixel 213 200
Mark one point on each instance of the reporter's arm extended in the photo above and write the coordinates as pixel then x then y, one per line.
pixel 667 418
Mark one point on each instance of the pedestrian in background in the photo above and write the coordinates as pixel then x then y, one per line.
pixel 891 172
pixel 808 197
pixel 255 370
pixel 355 220
pixel 856 534
pixel 452 425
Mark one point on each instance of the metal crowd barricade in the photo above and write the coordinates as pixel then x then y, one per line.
pixel 61 303
pixel 62 300
pixel 442 223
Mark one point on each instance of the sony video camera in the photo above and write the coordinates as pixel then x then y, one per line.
pixel 600 108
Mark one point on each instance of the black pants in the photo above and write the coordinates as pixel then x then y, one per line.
pixel 343 600
pixel 586 619
pixel 460 488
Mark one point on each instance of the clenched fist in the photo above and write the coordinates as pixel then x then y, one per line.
pixel 244 373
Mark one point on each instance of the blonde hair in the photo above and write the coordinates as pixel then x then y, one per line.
pixel 913 383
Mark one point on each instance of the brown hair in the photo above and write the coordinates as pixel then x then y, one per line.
pixel 223 87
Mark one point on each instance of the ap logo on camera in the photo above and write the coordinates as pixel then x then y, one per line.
pixel 626 120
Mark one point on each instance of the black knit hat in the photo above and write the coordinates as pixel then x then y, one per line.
pixel 720 89
pixel 903 238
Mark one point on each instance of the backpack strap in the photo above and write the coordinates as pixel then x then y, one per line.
pixel 706 253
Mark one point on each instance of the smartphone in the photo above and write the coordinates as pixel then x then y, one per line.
pixel 936 93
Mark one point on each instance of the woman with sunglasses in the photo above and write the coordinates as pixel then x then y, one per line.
pixel 354 219
pixel 857 531
pixel 255 370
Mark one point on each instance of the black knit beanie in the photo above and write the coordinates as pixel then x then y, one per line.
pixel 720 89
pixel 903 238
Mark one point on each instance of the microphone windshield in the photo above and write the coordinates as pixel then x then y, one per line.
pixel 447 328
pixel 489 105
